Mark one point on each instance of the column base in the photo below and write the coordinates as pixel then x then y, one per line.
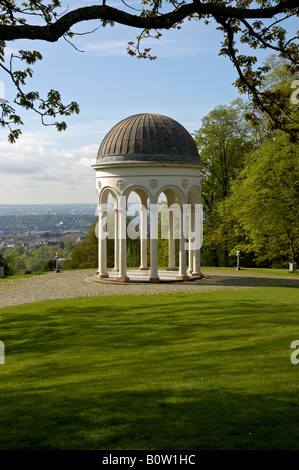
pixel 102 276
pixel 115 270
pixel 196 274
pixel 154 279
pixel 183 278
pixel 189 271
pixel 144 268
pixel 122 279
pixel 172 268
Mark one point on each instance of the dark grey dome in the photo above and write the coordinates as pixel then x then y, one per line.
pixel 148 137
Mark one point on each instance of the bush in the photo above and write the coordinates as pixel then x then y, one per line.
pixel 49 265
pixel 8 271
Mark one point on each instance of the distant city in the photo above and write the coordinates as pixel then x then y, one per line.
pixel 28 209
pixel 33 225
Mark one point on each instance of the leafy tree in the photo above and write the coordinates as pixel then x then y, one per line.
pixel 232 234
pixel 254 24
pixel 15 263
pixel 85 254
pixel 32 264
pixel 223 141
pixel 69 245
pixel 133 252
pixel 4 264
pixel 50 265
pixel 20 260
pixel 277 82
pixel 265 199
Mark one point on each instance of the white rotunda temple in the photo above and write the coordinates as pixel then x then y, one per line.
pixel 150 154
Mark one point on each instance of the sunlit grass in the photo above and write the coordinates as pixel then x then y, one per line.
pixel 211 269
pixel 252 271
pixel 181 371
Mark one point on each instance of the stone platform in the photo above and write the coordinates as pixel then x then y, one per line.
pixel 143 276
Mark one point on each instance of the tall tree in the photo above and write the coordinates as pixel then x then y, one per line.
pixel 265 199
pixel 223 140
pixel 253 23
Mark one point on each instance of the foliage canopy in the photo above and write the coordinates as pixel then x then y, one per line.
pixel 249 24
pixel 265 200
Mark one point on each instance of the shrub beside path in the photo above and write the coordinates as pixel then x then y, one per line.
pixel 71 284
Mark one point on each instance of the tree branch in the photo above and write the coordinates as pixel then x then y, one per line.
pixel 53 31
pixel 14 26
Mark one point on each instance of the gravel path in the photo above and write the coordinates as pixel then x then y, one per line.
pixel 70 284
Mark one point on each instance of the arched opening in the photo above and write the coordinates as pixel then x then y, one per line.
pixel 169 230
pixel 151 235
pixel 107 232
pixel 172 228
pixel 137 229
pixel 131 221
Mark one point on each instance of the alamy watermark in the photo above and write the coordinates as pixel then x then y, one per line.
pixel 2 353
pixel 186 222
pixel 294 358
pixel 295 94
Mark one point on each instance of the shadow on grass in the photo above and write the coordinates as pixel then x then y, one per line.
pixel 132 323
pixel 248 280
pixel 156 419
pixel 48 336
pixel 158 372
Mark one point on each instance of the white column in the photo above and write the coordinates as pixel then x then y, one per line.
pixel 182 256
pixel 196 261
pixel 102 240
pixel 143 237
pixel 191 237
pixel 154 275
pixel 171 243
pixel 116 242
pixel 190 269
pixel 122 233
pixel 198 240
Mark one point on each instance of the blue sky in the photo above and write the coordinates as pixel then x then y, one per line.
pixel 186 82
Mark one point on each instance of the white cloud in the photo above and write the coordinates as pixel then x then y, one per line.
pixel 106 48
pixel 31 173
pixel 163 48
pixel 84 151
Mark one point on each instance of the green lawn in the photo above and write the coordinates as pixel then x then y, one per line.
pixel 184 371
pixel 260 271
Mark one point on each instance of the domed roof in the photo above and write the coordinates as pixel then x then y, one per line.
pixel 148 138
